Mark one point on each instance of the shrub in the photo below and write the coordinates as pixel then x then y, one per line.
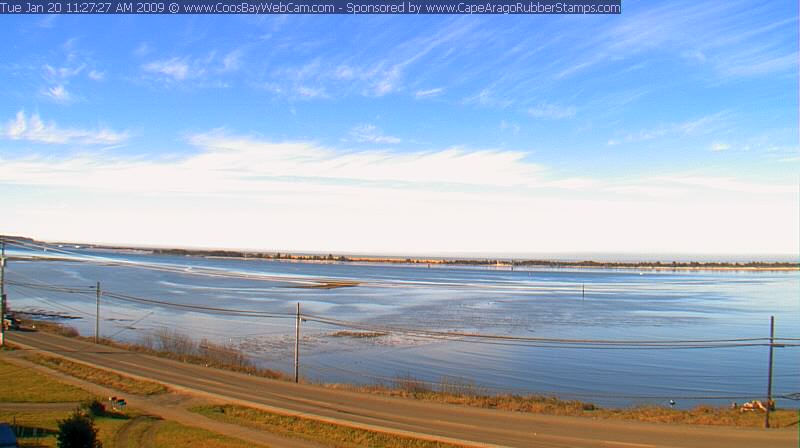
pixel 94 408
pixel 77 431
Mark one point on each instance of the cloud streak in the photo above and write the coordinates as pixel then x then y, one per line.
pixel 300 195
pixel 34 129
pixel 369 133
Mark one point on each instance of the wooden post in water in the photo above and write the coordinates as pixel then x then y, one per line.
pixel 97 314
pixel 769 379
pixel 297 345
pixel 583 291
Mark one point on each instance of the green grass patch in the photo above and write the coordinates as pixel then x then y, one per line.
pixel 98 376
pixel 107 427
pixel 36 428
pixel 24 385
pixel 304 428
pixel 171 434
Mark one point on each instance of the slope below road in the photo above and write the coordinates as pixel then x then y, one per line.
pixel 432 421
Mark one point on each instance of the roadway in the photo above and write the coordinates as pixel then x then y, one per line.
pixel 432 421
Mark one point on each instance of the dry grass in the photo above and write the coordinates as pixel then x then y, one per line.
pixel 459 392
pixel 23 385
pixel 177 346
pixel 52 327
pixel 98 376
pixel 704 415
pixel 326 433
pixel 171 434
pixel 466 394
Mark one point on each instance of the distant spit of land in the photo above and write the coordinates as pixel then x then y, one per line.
pixel 508 263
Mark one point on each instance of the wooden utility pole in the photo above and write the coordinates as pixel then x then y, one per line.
pixel 297 345
pixel 97 314
pixel 769 379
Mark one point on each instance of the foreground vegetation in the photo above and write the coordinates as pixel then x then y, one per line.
pixel 40 428
pixel 171 434
pixel 98 376
pixel 177 346
pixel 326 433
pixel 454 391
pixel 115 429
pixel 29 386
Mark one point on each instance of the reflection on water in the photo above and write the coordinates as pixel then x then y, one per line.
pixel 574 304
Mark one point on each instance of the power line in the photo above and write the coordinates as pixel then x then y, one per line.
pixel 450 334
pixel 446 335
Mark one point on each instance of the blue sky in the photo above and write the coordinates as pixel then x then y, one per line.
pixel 672 127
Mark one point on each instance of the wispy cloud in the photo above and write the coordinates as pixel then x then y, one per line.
pixel 59 94
pixel 96 75
pixel 61 73
pixel 703 125
pixel 366 195
pixel 47 21
pixel 552 111
pixel 310 92
pixel 511 126
pixel 429 92
pixel 379 67
pixel 34 129
pixel 142 50
pixel 232 61
pixel 369 133
pixel 720 146
pixel 175 68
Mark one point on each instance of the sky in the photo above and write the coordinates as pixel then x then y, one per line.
pixel 671 128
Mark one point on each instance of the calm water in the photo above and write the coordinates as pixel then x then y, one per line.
pixel 618 304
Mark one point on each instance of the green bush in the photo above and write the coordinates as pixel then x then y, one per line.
pixel 77 431
pixel 94 408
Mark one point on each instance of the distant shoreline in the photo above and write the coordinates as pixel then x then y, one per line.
pixel 500 263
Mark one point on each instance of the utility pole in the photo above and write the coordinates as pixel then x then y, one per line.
pixel 769 380
pixel 2 292
pixel 97 314
pixel 297 345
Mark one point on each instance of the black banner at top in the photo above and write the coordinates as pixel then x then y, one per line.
pixel 311 7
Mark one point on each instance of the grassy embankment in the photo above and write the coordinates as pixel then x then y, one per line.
pixel 302 428
pixel 29 386
pixel 464 393
pixel 176 346
pixel 38 427
pixel 98 376
pixel 453 391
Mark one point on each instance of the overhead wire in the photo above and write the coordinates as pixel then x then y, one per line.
pixel 454 335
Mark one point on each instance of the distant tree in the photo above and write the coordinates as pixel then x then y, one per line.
pixel 77 431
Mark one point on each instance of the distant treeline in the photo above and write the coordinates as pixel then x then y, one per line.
pixel 441 261
pixel 479 262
